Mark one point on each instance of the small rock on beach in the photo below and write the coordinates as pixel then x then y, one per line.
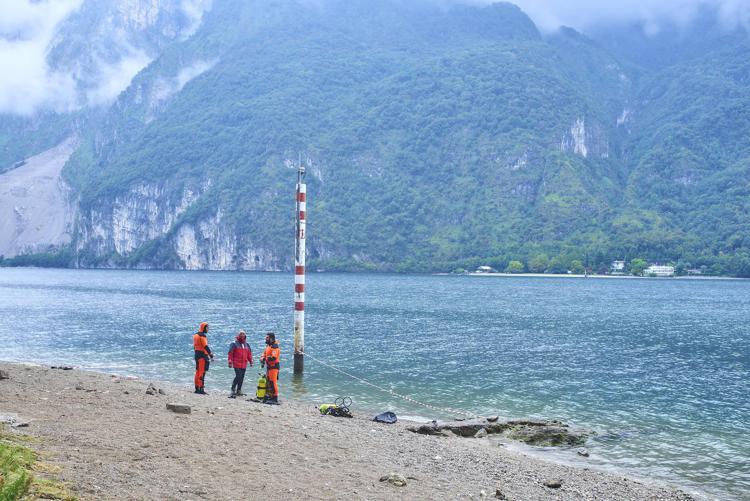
pixel 179 408
pixel 395 479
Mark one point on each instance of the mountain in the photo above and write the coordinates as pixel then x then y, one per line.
pixel 435 135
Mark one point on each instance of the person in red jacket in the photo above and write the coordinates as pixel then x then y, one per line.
pixel 240 355
pixel 202 356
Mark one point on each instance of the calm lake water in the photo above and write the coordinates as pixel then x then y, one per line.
pixel 659 368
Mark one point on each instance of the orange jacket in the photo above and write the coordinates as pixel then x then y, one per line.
pixel 200 342
pixel 272 356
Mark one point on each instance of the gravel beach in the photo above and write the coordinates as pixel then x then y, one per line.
pixel 115 441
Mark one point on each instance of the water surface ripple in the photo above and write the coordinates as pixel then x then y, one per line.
pixel 660 368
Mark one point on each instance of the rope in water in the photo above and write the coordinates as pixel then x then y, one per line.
pixel 391 392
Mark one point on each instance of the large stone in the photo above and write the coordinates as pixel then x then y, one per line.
pixel 395 479
pixel 179 408
pixel 481 433
pixel 548 436
pixel 541 433
pixel 4 374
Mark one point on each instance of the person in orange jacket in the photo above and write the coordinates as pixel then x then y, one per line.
pixel 202 356
pixel 271 359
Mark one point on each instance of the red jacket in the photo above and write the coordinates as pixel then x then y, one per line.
pixel 240 355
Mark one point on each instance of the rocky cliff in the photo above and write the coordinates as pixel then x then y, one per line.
pixel 435 137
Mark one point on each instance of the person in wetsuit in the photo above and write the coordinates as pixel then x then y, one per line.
pixel 271 360
pixel 203 355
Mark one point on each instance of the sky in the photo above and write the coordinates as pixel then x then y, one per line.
pixel 28 27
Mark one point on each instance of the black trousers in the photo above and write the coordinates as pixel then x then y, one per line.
pixel 239 377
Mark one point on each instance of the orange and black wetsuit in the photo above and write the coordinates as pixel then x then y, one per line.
pixel 202 356
pixel 272 358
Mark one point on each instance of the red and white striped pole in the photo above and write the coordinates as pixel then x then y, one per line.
pixel 299 273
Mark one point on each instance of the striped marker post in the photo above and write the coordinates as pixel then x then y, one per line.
pixel 299 273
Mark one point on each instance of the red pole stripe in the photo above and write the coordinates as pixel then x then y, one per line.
pixel 300 197
pixel 302 214
pixel 299 306
pixel 299 287
pixel 299 270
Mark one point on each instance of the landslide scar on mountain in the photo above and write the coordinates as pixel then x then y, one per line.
pixel 36 213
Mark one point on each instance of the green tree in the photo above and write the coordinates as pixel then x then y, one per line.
pixel 637 266
pixel 539 263
pixel 514 267
pixel 576 267
pixel 558 265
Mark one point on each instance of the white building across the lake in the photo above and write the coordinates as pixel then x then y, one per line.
pixel 617 268
pixel 659 271
pixel 486 269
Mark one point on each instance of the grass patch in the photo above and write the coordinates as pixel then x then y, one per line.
pixel 15 475
pixel 17 466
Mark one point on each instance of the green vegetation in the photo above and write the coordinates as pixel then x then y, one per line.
pixel 55 259
pixel 515 267
pixel 17 466
pixel 437 139
pixel 637 266
pixel 15 470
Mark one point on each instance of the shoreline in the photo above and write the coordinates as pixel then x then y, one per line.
pixel 426 273
pixel 105 430
pixel 570 275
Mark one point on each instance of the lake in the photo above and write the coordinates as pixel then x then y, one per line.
pixel 659 368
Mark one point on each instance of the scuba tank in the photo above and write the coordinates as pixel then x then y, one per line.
pixel 260 393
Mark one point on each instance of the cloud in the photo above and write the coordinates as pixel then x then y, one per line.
pixel 27 82
pixel 115 77
pixel 26 31
pixel 188 73
pixel 194 10
pixel 585 14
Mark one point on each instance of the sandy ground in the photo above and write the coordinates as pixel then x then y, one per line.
pixel 34 208
pixel 113 441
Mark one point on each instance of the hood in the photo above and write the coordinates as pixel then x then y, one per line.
pixel 203 327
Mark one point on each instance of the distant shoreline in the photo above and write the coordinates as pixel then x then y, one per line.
pixel 570 275
pixel 371 272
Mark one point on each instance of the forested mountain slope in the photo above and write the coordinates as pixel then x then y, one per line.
pixel 435 136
